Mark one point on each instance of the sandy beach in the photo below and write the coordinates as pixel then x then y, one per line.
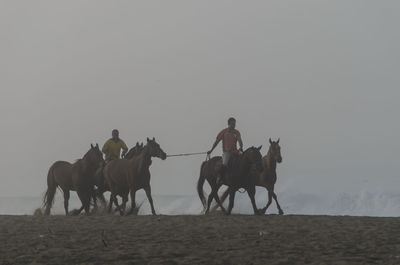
pixel 212 239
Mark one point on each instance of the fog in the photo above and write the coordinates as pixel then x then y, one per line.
pixel 322 76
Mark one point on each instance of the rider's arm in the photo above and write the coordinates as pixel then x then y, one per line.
pixel 105 148
pixel 124 148
pixel 219 138
pixel 240 141
pixel 214 145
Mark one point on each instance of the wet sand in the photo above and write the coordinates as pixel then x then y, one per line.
pixel 213 239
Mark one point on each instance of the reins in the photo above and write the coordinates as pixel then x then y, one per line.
pixel 188 154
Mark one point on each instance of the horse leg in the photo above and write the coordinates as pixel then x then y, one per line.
pixel 66 200
pixel 213 194
pixel 252 192
pixel 102 199
pixel 209 200
pixel 222 199
pixel 148 194
pixel 264 210
pixel 112 197
pixel 216 197
pixel 94 197
pixel 232 193
pixel 99 193
pixel 85 199
pixel 277 203
pixel 123 205
pixel 133 201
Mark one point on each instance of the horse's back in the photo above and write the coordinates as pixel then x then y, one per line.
pixel 211 167
pixel 61 171
pixel 115 173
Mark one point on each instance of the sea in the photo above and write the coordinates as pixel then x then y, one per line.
pixel 363 203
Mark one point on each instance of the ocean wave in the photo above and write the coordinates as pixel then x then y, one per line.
pixel 363 203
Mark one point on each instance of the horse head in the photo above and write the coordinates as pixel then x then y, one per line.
pixel 275 150
pixel 154 149
pixel 94 157
pixel 134 151
pixel 253 156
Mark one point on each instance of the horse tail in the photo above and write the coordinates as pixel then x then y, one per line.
pixel 48 198
pixel 200 184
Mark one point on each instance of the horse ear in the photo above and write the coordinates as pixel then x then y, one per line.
pixel 154 139
pixel 92 145
pixel 141 145
pixel 97 145
pixel 137 143
pixel 278 140
pixel 270 141
pixel 148 140
pixel 259 148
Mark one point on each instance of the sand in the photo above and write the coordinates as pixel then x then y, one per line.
pixel 212 239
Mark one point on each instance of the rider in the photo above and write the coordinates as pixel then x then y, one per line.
pixel 229 136
pixel 112 148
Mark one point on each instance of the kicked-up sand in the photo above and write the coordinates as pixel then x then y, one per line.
pixel 212 239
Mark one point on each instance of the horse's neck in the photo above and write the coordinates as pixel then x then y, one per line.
pixel 88 167
pixel 244 165
pixel 270 161
pixel 144 159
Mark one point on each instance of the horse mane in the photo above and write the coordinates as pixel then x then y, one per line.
pixel 248 149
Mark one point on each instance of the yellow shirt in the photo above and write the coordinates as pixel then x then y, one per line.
pixel 112 149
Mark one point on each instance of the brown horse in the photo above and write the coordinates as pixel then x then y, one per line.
pixel 130 175
pixel 99 175
pixel 238 176
pixel 134 151
pixel 78 177
pixel 267 178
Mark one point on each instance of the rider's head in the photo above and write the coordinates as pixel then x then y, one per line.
pixel 231 123
pixel 115 134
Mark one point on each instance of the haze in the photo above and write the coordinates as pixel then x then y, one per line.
pixel 321 75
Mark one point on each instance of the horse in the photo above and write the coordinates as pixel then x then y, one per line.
pixel 134 151
pixel 237 176
pixel 124 176
pixel 99 176
pixel 73 177
pixel 267 178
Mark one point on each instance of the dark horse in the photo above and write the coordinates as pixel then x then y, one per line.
pixel 267 178
pixel 134 151
pixel 78 177
pixel 99 175
pixel 130 175
pixel 238 176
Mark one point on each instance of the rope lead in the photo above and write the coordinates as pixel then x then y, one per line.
pixel 188 154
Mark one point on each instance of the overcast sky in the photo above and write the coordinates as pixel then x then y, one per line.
pixel 321 75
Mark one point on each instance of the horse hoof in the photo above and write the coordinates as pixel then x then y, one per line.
pixel 280 212
pixel 264 210
pixel 259 212
pixel 73 213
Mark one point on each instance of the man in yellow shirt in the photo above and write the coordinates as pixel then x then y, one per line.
pixel 112 148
